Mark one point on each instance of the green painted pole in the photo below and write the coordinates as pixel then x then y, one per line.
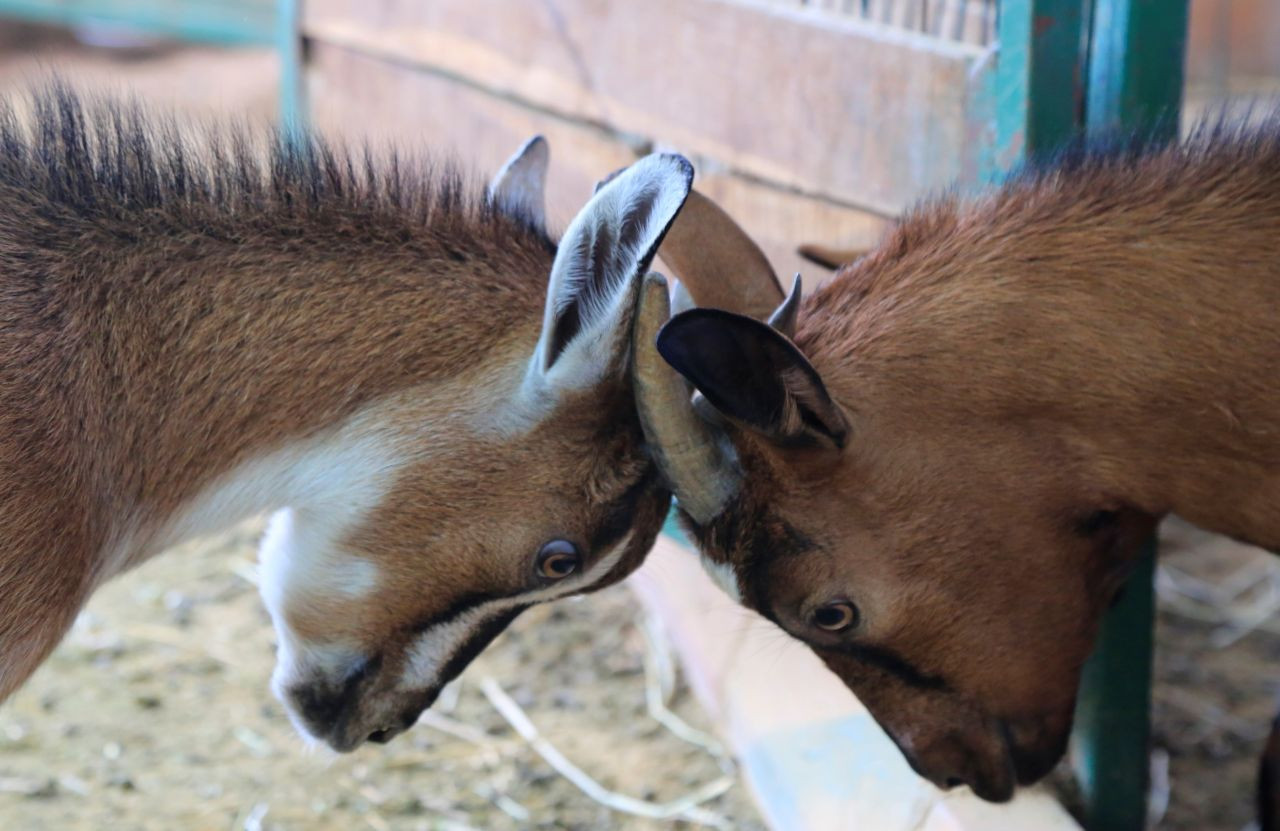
pixel 1136 65
pixel 1039 80
pixel 291 49
pixel 1110 751
pixel 229 22
pixel 1137 49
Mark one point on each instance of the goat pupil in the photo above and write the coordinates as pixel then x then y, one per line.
pixel 558 558
pixel 835 616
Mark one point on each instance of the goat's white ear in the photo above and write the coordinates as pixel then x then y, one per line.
pixel 599 266
pixel 519 188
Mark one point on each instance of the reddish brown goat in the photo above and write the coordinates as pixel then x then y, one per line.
pixel 939 481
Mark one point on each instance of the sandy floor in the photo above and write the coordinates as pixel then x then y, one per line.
pixel 155 713
pixel 1217 660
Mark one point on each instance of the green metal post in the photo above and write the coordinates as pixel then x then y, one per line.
pixel 1039 80
pixel 292 52
pixel 1136 57
pixel 232 22
pixel 1111 741
pixel 1136 65
pixel 1045 88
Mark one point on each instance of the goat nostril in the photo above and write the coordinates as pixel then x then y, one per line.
pixel 380 736
pixel 954 782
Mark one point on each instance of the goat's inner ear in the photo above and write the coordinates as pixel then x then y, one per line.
pixel 519 187
pixel 598 268
pixel 754 375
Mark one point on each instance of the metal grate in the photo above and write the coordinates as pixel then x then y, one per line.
pixel 964 21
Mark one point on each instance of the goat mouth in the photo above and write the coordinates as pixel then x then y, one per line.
pixel 384 735
pixel 1031 763
pixel 344 739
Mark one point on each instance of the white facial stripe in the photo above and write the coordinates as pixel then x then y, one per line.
pixel 282 545
pixel 433 649
pixel 723 575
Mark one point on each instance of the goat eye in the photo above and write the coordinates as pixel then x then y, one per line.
pixel 558 559
pixel 836 617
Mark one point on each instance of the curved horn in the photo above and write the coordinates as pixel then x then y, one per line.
pixel 718 262
pixel 697 462
pixel 832 258
pixel 681 299
pixel 784 317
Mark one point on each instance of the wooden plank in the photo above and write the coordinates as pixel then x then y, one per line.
pixel 779 222
pixel 832 107
pixel 1233 39
pixel 215 21
pixel 356 95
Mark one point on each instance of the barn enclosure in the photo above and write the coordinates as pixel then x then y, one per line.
pixel 809 122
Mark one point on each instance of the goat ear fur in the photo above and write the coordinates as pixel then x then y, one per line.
pixel 519 188
pixel 754 375
pixel 599 266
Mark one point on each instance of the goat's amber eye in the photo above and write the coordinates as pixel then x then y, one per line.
pixel 558 559
pixel 836 617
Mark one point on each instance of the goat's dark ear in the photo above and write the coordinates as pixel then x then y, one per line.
pixel 753 375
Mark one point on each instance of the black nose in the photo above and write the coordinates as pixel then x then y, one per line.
pixel 325 705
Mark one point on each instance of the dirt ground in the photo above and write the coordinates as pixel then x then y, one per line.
pixel 155 714
pixel 1217 677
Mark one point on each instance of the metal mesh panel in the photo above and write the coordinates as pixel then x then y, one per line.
pixel 964 21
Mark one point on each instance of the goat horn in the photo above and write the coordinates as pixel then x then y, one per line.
pixel 720 265
pixel 784 317
pixel 681 299
pixel 696 460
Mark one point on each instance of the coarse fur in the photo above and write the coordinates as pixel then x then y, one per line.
pixel 197 326
pixel 982 418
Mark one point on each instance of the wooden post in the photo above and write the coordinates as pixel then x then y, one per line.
pixel 1137 49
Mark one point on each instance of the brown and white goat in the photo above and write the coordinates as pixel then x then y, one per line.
pixel 937 479
pixel 433 397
